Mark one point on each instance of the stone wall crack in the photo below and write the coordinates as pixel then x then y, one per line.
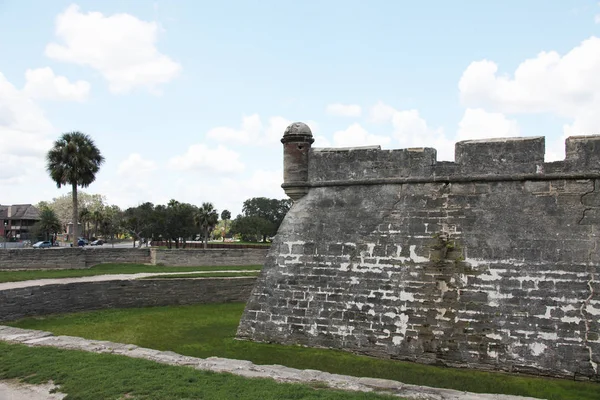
pixel 587 208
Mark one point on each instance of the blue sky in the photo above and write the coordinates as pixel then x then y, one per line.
pixel 187 99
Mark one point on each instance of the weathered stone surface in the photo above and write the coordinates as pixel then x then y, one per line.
pixel 209 257
pixel 71 258
pixel 369 162
pixel 82 296
pixel 490 262
pixel 245 368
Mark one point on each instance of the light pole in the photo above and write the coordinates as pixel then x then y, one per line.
pixel 5 234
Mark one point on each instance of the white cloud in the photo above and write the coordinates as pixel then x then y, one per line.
pixel 136 166
pixel 597 18
pixel 42 83
pixel 25 137
pixel 201 157
pixel 355 136
pixel 344 110
pixel 546 83
pixel 480 124
pixel 227 193
pixel 24 129
pixel 227 134
pixel 251 132
pixel 321 141
pixel 276 128
pixel 120 46
pixel 381 112
pixel 230 193
pixel 411 130
pixel 567 86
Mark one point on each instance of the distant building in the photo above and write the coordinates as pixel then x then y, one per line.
pixel 16 220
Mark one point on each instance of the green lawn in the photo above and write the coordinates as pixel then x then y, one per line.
pixel 209 330
pixel 14 276
pixel 88 376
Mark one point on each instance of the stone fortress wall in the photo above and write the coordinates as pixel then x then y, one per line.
pixel 488 262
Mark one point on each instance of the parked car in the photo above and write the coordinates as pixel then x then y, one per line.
pixel 98 242
pixel 42 245
pixel 81 242
pixel 84 240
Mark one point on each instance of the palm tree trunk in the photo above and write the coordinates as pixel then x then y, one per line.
pixel 205 237
pixel 75 215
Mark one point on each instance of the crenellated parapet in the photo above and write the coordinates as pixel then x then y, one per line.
pixel 519 158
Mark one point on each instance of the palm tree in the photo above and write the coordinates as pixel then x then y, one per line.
pixel 84 217
pixel 75 160
pixel 225 216
pixel 206 219
pixel 97 217
pixel 48 223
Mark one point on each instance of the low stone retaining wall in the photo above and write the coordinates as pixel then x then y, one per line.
pixel 13 259
pixel 70 258
pixel 82 296
pixel 95 256
pixel 214 245
pixel 216 257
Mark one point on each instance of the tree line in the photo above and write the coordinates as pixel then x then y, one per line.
pixel 175 223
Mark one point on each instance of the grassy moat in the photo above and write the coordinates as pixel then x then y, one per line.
pixel 209 330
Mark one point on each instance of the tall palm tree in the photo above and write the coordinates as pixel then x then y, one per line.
pixel 75 160
pixel 206 219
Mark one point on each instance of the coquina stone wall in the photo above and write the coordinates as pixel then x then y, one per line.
pixel 81 296
pixel 68 258
pixel 208 257
pixel 489 262
pixel 14 259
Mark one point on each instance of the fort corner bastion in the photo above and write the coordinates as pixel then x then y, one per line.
pixel 488 262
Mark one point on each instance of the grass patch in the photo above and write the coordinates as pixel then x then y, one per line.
pixel 205 275
pixel 103 269
pixel 88 376
pixel 209 330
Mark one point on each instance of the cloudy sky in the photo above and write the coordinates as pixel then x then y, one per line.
pixel 187 99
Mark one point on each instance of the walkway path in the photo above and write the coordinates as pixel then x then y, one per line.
pixel 244 368
pixel 112 277
pixel 13 390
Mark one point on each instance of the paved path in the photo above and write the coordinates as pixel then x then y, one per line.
pixel 13 390
pixel 244 368
pixel 99 278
